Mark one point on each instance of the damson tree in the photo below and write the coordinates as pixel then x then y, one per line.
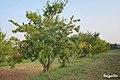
pixel 46 34
pixel 6 48
pixel 16 57
pixel 9 50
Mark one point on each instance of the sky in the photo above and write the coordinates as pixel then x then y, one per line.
pixel 100 16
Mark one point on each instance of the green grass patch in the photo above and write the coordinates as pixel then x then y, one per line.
pixel 75 68
pixel 3 64
pixel 58 73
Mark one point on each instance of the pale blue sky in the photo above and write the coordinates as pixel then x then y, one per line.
pixel 96 15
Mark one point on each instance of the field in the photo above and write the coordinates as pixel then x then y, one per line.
pixel 92 68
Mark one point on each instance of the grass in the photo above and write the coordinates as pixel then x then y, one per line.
pixel 3 64
pixel 91 68
pixel 57 73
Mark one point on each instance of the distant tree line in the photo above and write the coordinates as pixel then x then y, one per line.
pixel 115 46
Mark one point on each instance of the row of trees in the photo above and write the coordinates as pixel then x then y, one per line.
pixel 89 44
pixel 47 36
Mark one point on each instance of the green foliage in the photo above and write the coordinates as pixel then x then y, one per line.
pixel 15 57
pixel 48 37
pixel 46 34
pixel 6 48
pixel 88 43
pixel 9 50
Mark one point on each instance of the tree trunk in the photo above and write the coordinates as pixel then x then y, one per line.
pixel 46 67
pixel 63 63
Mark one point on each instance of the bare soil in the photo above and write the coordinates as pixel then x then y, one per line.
pixel 19 72
pixel 22 71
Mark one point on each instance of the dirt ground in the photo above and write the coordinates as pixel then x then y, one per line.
pixel 13 75
pixel 22 71
pixel 19 72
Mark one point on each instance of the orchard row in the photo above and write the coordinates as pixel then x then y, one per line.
pixel 48 36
